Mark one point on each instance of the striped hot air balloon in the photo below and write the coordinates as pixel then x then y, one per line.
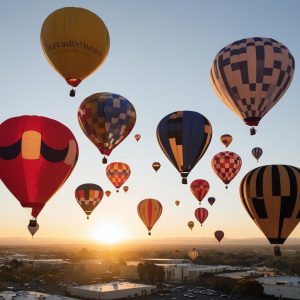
pixel 118 173
pixel 193 254
pixel 270 195
pixel 226 139
pixel 149 210
pixel 257 153
pixel 226 165
pixel 191 225
pixel 201 214
pixel 251 75
pixel 156 166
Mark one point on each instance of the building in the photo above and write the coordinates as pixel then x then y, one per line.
pixel 281 286
pixel 25 295
pixel 164 261
pixel 51 264
pixel 114 290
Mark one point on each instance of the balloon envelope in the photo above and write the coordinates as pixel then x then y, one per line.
pixel 125 188
pixel 37 155
pixel 257 153
pixel 137 137
pixel 107 193
pixel 193 254
pixel 184 137
pixel 211 200
pixel 118 173
pixel 270 195
pixel 199 188
pixel 75 42
pixel 149 211
pixel 226 165
pixel 156 166
pixel 251 75
pixel 88 196
pixel 191 224
pixel 201 214
pixel 177 202
pixel 226 139
pixel 106 119
pixel 219 235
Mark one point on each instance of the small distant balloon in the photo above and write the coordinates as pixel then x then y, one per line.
pixel 191 225
pixel 211 200
pixel 137 137
pixel 118 173
pixel 199 188
pixel 177 202
pixel 125 188
pixel 219 235
pixel 226 139
pixel 107 193
pixel 201 214
pixel 193 254
pixel 257 153
pixel 156 166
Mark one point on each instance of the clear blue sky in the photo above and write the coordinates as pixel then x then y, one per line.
pixel 160 57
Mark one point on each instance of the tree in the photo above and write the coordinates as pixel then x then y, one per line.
pixel 160 274
pixel 141 271
pixel 250 288
pixel 151 270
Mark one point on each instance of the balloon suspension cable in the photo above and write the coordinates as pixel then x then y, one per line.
pixel 149 233
pixel 252 131
pixel 72 93
pixel 104 160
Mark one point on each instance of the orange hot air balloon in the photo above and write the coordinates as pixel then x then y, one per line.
pixel 149 211
pixel 176 252
pixel 226 139
pixel 75 42
pixel 193 254
pixel 191 225
pixel 117 173
pixel 199 188
pixel 37 155
pixel 106 119
pixel 88 196
pixel 137 137
pixel 177 202
pixel 226 165
pixel 219 234
pixel 201 214
pixel 107 193
pixel 125 188
pixel 156 166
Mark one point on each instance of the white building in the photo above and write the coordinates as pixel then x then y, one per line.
pixel 114 290
pixel 281 286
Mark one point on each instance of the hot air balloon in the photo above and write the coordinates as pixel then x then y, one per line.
pixel 257 153
pixel 88 196
pixel 106 119
pixel 270 196
pixel 137 137
pixel 184 136
pixel 199 188
pixel 33 227
pixel 211 200
pixel 226 165
pixel 177 202
pixel 156 166
pixel 191 225
pixel 226 139
pixel 193 254
pixel 201 214
pixel 149 211
pixel 251 75
pixel 107 193
pixel 75 42
pixel 37 155
pixel 219 234
pixel 117 173
pixel 125 188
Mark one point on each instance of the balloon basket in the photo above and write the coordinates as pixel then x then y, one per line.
pixel 104 160
pixel 252 131
pixel 72 93
pixel 184 180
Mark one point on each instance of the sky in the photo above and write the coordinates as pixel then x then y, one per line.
pixel 160 57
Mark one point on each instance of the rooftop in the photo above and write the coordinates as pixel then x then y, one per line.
pixel 280 280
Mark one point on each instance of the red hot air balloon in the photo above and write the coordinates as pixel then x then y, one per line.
pixel 149 211
pixel 117 173
pixel 226 139
pixel 201 214
pixel 226 165
pixel 199 188
pixel 211 200
pixel 257 153
pixel 37 155
pixel 177 202
pixel 219 234
pixel 125 188
pixel 137 137
pixel 107 193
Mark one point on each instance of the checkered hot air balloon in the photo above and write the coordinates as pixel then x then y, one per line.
pixel 226 165
pixel 118 173
pixel 257 153
pixel 177 202
pixel 251 75
pixel 270 195
pixel 199 188
pixel 149 211
pixel 106 119
pixel 88 196
pixel 184 137
pixel 201 214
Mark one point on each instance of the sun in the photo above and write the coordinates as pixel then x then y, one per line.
pixel 109 233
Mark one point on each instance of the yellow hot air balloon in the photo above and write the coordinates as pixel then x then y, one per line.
pixel 149 210
pixel 75 41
